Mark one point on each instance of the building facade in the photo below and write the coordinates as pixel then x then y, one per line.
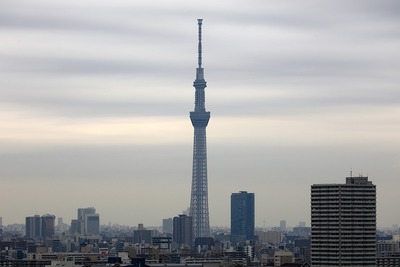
pixel 88 221
pixel 48 226
pixel 343 223
pixel 33 227
pixel 92 224
pixel 167 226
pixel 183 230
pixel 242 216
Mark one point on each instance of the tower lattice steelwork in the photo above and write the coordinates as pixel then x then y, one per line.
pixel 200 118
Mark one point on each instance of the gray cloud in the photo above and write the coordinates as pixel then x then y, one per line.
pixel 102 59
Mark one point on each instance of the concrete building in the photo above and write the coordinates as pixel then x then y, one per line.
pixel 242 216
pixel 87 217
pixel 167 226
pixel 343 223
pixel 281 257
pixel 141 235
pixel 48 226
pixel 282 226
pixel 33 227
pixel 269 237
pixel 92 224
pixel 183 230
pixel 74 226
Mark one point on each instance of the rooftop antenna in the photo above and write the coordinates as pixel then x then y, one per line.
pixel 351 172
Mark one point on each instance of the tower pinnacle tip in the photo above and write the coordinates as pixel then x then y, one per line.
pixel 200 22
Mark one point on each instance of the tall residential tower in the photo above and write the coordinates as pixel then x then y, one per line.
pixel 200 118
pixel 343 223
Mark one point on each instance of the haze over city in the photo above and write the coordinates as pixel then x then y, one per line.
pixel 95 99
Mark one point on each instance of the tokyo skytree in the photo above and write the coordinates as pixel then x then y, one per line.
pixel 199 118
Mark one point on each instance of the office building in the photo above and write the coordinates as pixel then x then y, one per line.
pixel 343 223
pixel 183 230
pixel 48 226
pixel 74 227
pixel 242 216
pixel 200 118
pixel 282 225
pixel 141 235
pixel 33 227
pixel 84 215
pixel 167 226
pixel 92 224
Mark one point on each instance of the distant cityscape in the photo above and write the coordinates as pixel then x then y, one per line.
pixel 343 230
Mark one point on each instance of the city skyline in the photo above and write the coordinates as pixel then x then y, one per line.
pixel 94 99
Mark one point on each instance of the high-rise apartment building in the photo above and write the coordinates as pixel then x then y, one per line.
pixel 200 118
pixel 242 216
pixel 343 223
pixel 183 230
pixel 33 227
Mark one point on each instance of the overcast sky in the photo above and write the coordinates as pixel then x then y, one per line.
pixel 95 99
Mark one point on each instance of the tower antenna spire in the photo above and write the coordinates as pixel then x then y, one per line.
pixel 200 22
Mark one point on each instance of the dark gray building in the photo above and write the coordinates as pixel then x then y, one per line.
pixel 183 230
pixel 33 227
pixel 142 236
pixel 343 223
pixel 242 216
pixel 48 226
pixel 92 224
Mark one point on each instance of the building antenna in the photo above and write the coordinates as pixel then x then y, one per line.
pixel 200 22
pixel 351 172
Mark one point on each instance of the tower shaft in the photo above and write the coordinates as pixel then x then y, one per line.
pixel 200 118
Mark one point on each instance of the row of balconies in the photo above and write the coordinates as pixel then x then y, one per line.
pixel 342 189
pixel 346 220
pixel 347 258
pixel 336 201
pixel 366 246
pixel 342 206
pixel 344 216
pixel 344 251
pixel 351 240
pixel 351 243
pixel 343 225
pixel 320 233
pixel 319 221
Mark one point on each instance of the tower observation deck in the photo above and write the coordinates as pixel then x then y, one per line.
pixel 199 118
